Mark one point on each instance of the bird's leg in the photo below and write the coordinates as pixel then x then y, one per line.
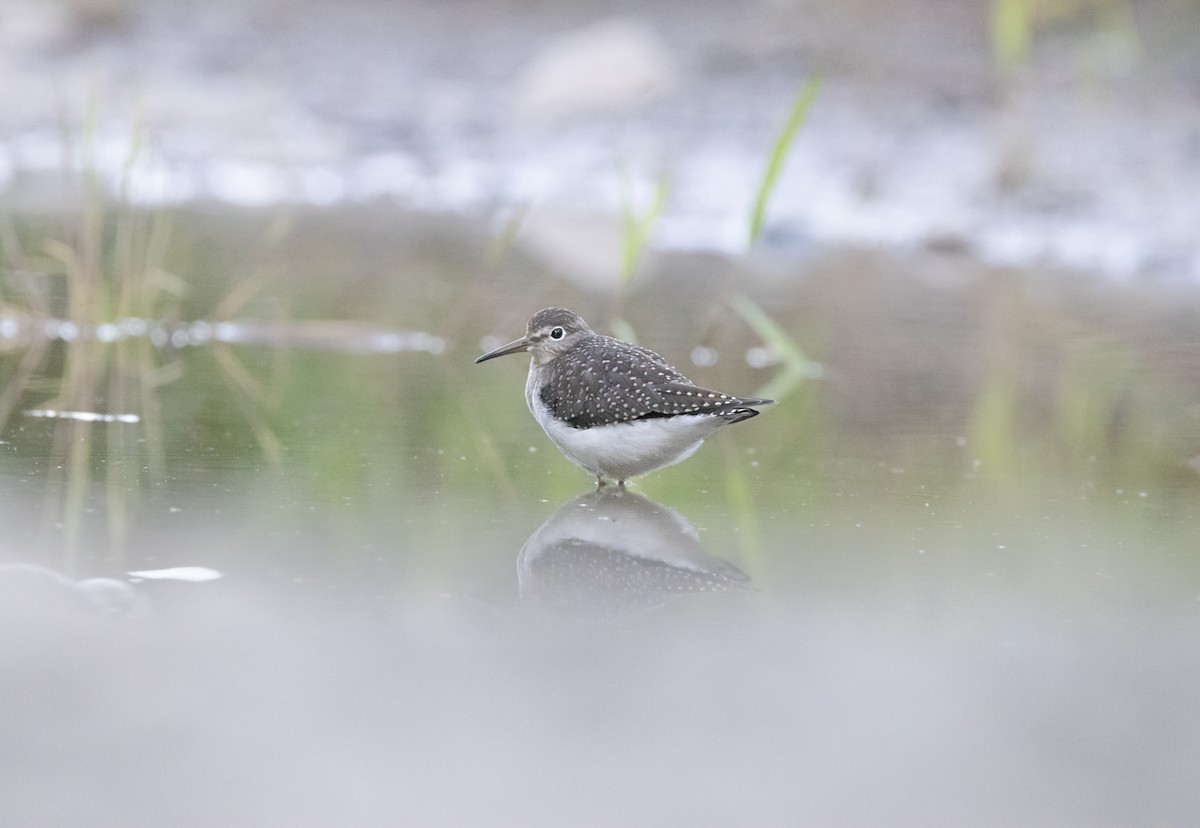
pixel 599 481
pixel 621 485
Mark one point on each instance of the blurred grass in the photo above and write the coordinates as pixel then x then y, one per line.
pixel 636 226
pixel 796 367
pixel 502 241
pixel 110 261
pixel 1012 32
pixel 1093 391
pixel 994 440
pixel 1107 41
pixel 105 265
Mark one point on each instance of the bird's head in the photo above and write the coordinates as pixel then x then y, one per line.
pixel 549 333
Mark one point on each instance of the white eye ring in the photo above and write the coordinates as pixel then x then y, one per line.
pixel 557 333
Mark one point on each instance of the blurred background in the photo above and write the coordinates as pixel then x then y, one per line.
pixel 273 551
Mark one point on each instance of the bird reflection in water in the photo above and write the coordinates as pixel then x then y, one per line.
pixel 613 551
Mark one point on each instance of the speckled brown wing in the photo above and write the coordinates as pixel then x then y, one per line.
pixel 680 398
pixel 603 381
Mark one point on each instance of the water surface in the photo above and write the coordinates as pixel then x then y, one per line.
pixel 951 579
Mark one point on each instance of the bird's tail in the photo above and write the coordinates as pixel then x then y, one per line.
pixel 736 415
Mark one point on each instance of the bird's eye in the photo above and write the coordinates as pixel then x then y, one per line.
pixel 557 333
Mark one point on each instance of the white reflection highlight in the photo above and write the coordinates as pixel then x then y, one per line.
pixel 193 574
pixel 336 335
pixel 82 416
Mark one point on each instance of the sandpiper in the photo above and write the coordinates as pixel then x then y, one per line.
pixel 613 408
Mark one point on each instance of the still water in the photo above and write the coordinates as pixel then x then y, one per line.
pixel 321 569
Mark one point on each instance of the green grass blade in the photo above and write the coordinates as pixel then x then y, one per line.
pixel 783 141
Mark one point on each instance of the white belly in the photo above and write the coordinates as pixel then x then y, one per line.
pixel 625 450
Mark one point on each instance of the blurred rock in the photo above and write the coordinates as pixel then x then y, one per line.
pixel 610 66
pixel 95 18
pixel 32 25
pixel 36 594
